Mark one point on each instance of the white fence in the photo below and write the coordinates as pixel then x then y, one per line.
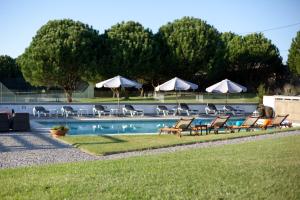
pixel 8 96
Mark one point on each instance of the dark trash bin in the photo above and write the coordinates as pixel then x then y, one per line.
pixel 20 122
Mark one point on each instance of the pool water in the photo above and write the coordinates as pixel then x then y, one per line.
pixel 123 126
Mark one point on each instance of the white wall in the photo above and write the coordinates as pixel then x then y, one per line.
pixel 269 101
pixel 284 105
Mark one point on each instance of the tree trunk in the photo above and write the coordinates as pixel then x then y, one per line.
pixel 154 91
pixel 126 94
pixel 69 95
pixel 114 91
pixel 141 92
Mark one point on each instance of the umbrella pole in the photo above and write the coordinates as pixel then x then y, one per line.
pixel 118 94
pixel 226 98
pixel 177 102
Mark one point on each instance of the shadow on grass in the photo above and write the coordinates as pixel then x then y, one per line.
pixel 110 139
pixel 221 136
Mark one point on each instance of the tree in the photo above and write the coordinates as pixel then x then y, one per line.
pixel 232 48
pixel 189 48
pixel 9 67
pixel 251 59
pixel 131 50
pixel 62 53
pixel 294 55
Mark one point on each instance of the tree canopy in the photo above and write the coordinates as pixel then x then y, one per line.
pixel 189 47
pixel 131 50
pixel 294 55
pixel 62 53
pixel 9 67
pixel 250 59
pixel 65 52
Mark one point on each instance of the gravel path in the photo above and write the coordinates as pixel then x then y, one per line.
pixel 28 149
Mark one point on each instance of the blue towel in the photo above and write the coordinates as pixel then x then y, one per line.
pixel 238 123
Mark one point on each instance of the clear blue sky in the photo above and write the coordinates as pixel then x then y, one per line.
pixel 20 19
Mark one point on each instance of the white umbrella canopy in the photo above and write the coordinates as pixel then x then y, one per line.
pixel 117 82
pixel 176 84
pixel 226 86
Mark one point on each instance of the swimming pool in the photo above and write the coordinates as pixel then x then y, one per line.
pixel 121 126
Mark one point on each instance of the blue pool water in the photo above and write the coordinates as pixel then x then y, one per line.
pixel 122 126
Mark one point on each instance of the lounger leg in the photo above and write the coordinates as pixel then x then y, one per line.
pixel 179 133
pixel 216 131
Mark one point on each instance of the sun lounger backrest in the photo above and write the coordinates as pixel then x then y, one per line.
pixel 184 123
pixel 219 121
pixel 230 108
pixel 99 107
pixel 211 106
pixel 68 108
pixel 40 108
pixel 184 106
pixel 129 107
pixel 250 121
pixel 162 107
pixel 278 120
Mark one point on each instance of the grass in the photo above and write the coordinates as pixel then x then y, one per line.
pixel 267 169
pixel 104 145
pixel 206 98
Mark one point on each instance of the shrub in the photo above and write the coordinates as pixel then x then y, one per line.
pixel 261 91
pixel 61 128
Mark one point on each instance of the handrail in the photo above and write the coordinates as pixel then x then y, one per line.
pixel 279 97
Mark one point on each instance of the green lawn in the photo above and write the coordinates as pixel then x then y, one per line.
pixel 267 169
pixel 103 145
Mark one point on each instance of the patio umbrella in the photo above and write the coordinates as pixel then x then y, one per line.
pixel 176 84
pixel 226 86
pixel 118 82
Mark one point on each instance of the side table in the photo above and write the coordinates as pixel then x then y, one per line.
pixel 200 127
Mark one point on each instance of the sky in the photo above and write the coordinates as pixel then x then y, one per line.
pixel 20 19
